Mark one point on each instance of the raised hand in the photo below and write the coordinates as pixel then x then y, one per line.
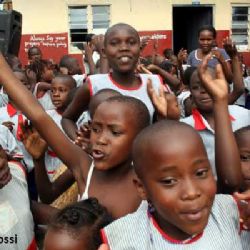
pixel 5 175
pixel 32 141
pixel 142 69
pixel 230 47
pixel 158 100
pixel 182 55
pixel 83 135
pixel 215 85
pixel 243 201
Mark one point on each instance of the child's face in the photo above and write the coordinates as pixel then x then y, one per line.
pixel 48 74
pixel 59 92
pixel 180 185
pixel 206 40
pixel 113 131
pixel 122 49
pixel 61 240
pixel 35 54
pixel 243 142
pixel 201 98
pixel 23 79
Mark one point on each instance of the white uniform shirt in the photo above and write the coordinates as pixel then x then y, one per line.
pixel 44 100
pixel 105 81
pixel 9 113
pixel 240 117
pixel 52 162
pixel 140 231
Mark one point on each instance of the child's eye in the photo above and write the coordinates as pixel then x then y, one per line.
pixel 245 157
pixel 116 133
pixel 95 129
pixel 132 41
pixel 202 173
pixel 113 42
pixel 195 87
pixel 169 181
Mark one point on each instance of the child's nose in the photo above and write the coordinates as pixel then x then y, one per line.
pixel 102 139
pixel 124 46
pixel 190 190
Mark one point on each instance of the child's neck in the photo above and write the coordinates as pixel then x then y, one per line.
pixel 202 54
pixel 126 79
pixel 115 173
pixel 60 110
pixel 170 229
pixel 209 116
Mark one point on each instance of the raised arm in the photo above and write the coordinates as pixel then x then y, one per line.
pixel 227 157
pixel 238 84
pixel 74 110
pixel 36 146
pixel 70 154
pixel 226 67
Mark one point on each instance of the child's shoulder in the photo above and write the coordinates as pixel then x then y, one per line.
pixel 225 210
pixel 124 229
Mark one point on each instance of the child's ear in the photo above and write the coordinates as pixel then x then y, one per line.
pixel 140 187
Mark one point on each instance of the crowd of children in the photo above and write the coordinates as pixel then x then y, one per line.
pixel 157 148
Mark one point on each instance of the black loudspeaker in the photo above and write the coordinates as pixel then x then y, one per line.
pixel 10 31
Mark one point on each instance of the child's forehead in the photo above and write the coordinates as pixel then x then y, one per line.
pixel 122 30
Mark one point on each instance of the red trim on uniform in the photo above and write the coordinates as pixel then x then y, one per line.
pixel 103 236
pixel 198 120
pixel 19 130
pixel 169 238
pixel 51 153
pixel 41 93
pixel 11 110
pixel 19 164
pixel 32 245
pixel 165 86
pixel 88 81
pixel 121 86
pixel 59 112
pixel 51 172
pixel 232 118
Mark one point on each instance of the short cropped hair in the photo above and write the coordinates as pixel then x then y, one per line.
pixel 141 113
pixel 209 28
pixel 119 26
pixel 100 96
pixel 157 132
pixel 241 131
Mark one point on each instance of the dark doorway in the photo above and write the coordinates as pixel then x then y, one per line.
pixel 186 22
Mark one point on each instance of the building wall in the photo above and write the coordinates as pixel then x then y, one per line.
pixel 48 19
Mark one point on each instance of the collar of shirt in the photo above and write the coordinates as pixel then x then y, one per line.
pixel 200 122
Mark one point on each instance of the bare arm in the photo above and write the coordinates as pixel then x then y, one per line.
pixel 49 191
pixel 172 81
pixel 72 156
pixel 227 157
pixel 238 84
pixel 74 110
pixel 89 58
pixel 225 65
pixel 42 213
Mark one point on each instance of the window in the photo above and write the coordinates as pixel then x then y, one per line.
pixel 240 26
pixel 87 19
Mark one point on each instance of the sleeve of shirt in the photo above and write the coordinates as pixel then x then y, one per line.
pixel 225 55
